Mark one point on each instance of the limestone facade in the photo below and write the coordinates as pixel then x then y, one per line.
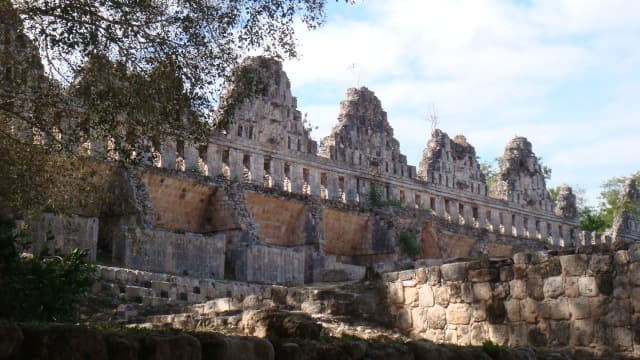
pixel 267 144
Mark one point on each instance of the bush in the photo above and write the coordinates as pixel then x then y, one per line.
pixel 42 287
pixel 375 198
pixel 492 349
pixel 409 244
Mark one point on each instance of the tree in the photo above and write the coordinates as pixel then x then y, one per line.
pixel 490 171
pixel 128 74
pixel 601 217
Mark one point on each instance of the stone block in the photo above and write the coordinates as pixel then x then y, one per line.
pixel 535 288
pixel 519 271
pixel 518 289
pixel 607 284
pixel 478 334
pixel 459 314
pixel 634 253
pixel 574 265
pixel 425 295
pixel 600 264
pixel 500 290
pixel 588 286
pixel 555 309
pixel 621 338
pixel 436 317
pixel 559 333
pixel 521 258
pixel 419 318
pixel 482 275
pixel 451 337
pixel 581 332
pixel 455 292
pixel 479 311
pixel 406 275
pixel 421 275
pixel 529 310
pixel 634 273
pixel 396 292
pixel 553 287
pixel 499 334
pixel 571 286
pixel 513 310
pixel 496 312
pixel 466 290
pixel 454 271
pixel 464 335
pixel 410 295
pixel 433 275
pixel 506 273
pixel 441 295
pixel 579 308
pixel 482 291
pixel 404 319
pixel 518 335
pixel 621 258
pixel 635 299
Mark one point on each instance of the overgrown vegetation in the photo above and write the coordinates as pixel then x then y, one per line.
pixel 375 198
pixel 42 287
pixel 409 244
pixel 492 349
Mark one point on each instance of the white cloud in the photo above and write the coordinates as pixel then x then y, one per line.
pixel 493 69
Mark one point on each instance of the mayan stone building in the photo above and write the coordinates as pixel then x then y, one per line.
pixel 261 201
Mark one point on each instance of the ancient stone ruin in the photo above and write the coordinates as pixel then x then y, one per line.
pixel 234 224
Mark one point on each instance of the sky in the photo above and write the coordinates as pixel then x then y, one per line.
pixel 563 73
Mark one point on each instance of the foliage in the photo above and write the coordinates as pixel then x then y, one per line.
pixel 601 218
pixel 127 74
pixel 492 349
pixel 41 287
pixel 592 219
pixel 409 244
pixel 490 171
pixel 204 38
pixel 375 198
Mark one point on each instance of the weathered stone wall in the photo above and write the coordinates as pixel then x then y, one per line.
pixel 347 232
pixel 584 302
pixel 269 264
pixel 280 222
pixel 64 233
pixel 170 252
pixel 187 205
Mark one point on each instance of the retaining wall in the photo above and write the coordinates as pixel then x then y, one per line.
pixel 586 303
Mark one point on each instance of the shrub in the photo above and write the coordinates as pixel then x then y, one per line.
pixel 492 349
pixel 42 287
pixel 409 244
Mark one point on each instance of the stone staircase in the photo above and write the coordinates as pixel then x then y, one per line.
pixel 159 301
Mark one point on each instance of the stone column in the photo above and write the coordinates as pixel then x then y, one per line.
pixel 506 223
pixel 235 164
pixel 257 169
pixel 277 173
pixel 453 211
pixel 314 181
pixel 350 189
pixel 409 198
pixel 440 211
pixel 332 186
pixel 168 153
pixel 566 235
pixel 394 193
pixel 191 156
pixel 519 226
pixel 555 234
pixel 482 218
pixel 296 178
pixel 214 160
pixel 495 220
pixel 467 213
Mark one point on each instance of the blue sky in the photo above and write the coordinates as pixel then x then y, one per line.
pixel 563 73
